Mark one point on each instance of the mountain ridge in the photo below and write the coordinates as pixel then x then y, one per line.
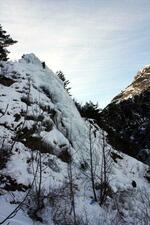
pixel 126 118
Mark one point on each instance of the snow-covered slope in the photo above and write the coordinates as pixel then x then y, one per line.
pixel 45 157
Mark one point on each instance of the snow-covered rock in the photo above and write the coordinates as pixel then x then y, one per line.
pixel 45 140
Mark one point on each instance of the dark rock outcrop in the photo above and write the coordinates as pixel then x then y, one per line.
pixel 127 118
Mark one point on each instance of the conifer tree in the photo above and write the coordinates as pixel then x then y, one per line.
pixel 61 76
pixel 90 110
pixel 5 41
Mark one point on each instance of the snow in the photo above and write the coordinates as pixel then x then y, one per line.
pixel 20 219
pixel 48 100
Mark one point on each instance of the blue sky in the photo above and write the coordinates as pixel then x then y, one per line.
pixel 99 44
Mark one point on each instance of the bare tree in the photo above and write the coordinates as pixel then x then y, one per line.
pixel 71 182
pixel 72 194
pixel 100 164
pixel 106 164
pixel 91 162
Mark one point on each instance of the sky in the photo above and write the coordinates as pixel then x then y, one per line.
pixel 98 44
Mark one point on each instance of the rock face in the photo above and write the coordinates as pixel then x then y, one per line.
pixel 127 118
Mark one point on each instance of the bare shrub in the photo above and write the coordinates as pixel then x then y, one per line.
pixel 59 199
